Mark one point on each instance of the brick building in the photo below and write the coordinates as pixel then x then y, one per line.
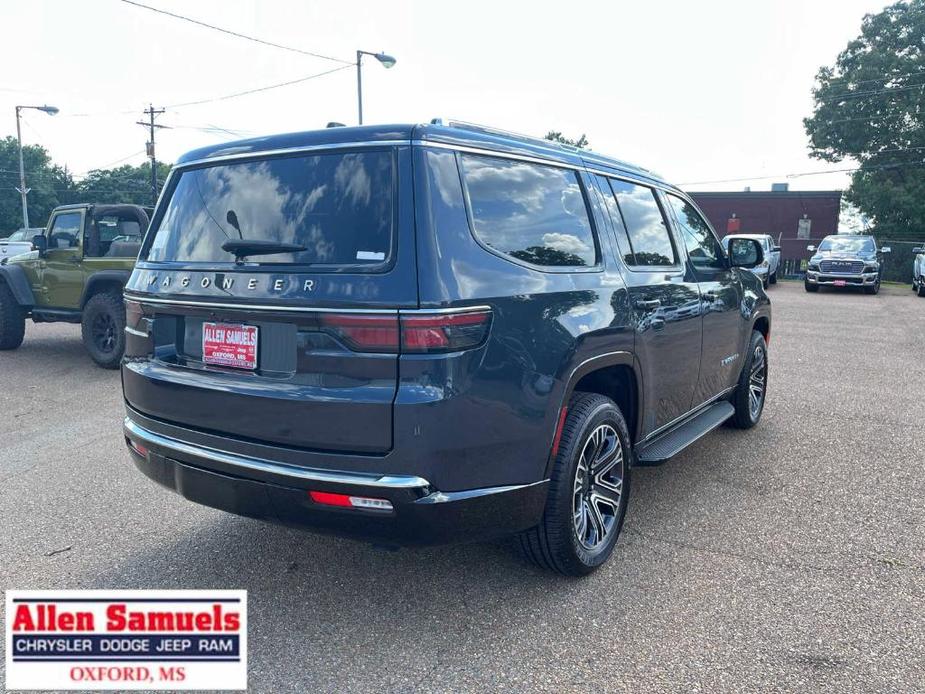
pixel 795 218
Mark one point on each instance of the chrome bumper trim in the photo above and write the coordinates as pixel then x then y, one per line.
pixel 135 432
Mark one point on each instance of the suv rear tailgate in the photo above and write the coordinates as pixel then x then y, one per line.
pixel 301 383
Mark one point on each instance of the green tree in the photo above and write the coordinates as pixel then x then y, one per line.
pixel 556 136
pixel 870 107
pixel 49 185
pixel 125 184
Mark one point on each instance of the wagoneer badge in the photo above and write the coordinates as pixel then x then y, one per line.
pixel 225 282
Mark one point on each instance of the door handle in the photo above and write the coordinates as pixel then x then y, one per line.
pixel 709 297
pixel 647 304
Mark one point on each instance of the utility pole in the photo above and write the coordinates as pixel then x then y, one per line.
pixel 151 112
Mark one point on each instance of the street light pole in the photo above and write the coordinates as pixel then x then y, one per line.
pixel 387 62
pixel 23 191
pixel 22 175
pixel 359 86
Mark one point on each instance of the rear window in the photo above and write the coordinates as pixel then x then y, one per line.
pixel 531 212
pixel 339 206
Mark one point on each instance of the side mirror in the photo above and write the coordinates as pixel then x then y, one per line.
pixel 918 250
pixel 746 253
pixel 811 248
pixel 775 249
pixel 40 243
pixel 886 249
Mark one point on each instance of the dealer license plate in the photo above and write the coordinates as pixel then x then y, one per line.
pixel 229 344
pixel 839 283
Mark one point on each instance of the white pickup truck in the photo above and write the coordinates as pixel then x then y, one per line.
pixel 767 270
pixel 17 242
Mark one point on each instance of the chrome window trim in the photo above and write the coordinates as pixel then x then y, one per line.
pixel 299 309
pixel 134 431
pixel 218 159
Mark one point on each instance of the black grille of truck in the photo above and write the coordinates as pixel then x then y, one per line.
pixel 849 267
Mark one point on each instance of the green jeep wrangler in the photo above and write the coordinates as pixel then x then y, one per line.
pixel 75 274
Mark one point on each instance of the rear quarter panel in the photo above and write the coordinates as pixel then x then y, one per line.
pixel 498 407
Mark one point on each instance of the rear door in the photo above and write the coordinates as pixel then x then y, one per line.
pixel 664 299
pixel 299 348
pixel 721 299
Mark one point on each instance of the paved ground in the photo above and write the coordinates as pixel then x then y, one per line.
pixel 789 558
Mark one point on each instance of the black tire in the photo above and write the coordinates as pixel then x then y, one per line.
pixel 810 287
pixel 12 319
pixel 594 431
pixel 921 290
pixel 765 282
pixel 875 289
pixel 103 329
pixel 774 278
pixel 746 414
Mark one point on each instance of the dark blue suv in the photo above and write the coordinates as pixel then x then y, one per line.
pixel 431 333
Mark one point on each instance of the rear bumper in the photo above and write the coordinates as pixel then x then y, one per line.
pixel 278 492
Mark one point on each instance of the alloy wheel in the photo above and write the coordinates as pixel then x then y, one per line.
pixel 757 381
pixel 598 487
pixel 104 332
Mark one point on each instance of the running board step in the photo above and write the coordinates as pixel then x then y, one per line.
pixel 676 440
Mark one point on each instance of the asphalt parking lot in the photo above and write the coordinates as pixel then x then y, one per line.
pixel 787 558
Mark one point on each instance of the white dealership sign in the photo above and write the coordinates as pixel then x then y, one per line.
pixel 126 639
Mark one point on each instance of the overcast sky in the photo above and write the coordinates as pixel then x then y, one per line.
pixel 698 91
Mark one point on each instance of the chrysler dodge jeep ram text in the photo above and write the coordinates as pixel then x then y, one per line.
pixel 427 333
pixel 75 273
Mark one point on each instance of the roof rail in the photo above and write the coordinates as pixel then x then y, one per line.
pixel 489 130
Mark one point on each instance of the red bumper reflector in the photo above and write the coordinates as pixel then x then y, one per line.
pixel 137 448
pixel 558 437
pixel 347 501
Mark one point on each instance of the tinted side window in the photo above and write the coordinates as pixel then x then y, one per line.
pixel 610 202
pixel 65 231
pixel 702 246
pixel 531 212
pixel 645 226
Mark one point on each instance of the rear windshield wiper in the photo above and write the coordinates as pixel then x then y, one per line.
pixel 245 247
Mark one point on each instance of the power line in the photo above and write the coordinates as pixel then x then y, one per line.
pixel 888 165
pixel 884 78
pixel 870 92
pixel 237 34
pixel 258 89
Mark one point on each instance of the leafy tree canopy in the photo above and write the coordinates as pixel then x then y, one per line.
pixel 556 136
pixel 870 107
pixel 48 183
pixel 51 185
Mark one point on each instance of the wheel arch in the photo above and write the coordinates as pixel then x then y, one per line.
pixel 762 324
pixel 615 375
pixel 104 281
pixel 15 278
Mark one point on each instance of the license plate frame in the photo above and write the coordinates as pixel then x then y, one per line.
pixel 230 345
pixel 840 283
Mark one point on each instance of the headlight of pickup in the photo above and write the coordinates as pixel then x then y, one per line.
pixel 814 266
pixel 872 268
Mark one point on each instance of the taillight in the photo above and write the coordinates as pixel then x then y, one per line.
pixel 364 333
pixel 411 332
pixel 445 332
